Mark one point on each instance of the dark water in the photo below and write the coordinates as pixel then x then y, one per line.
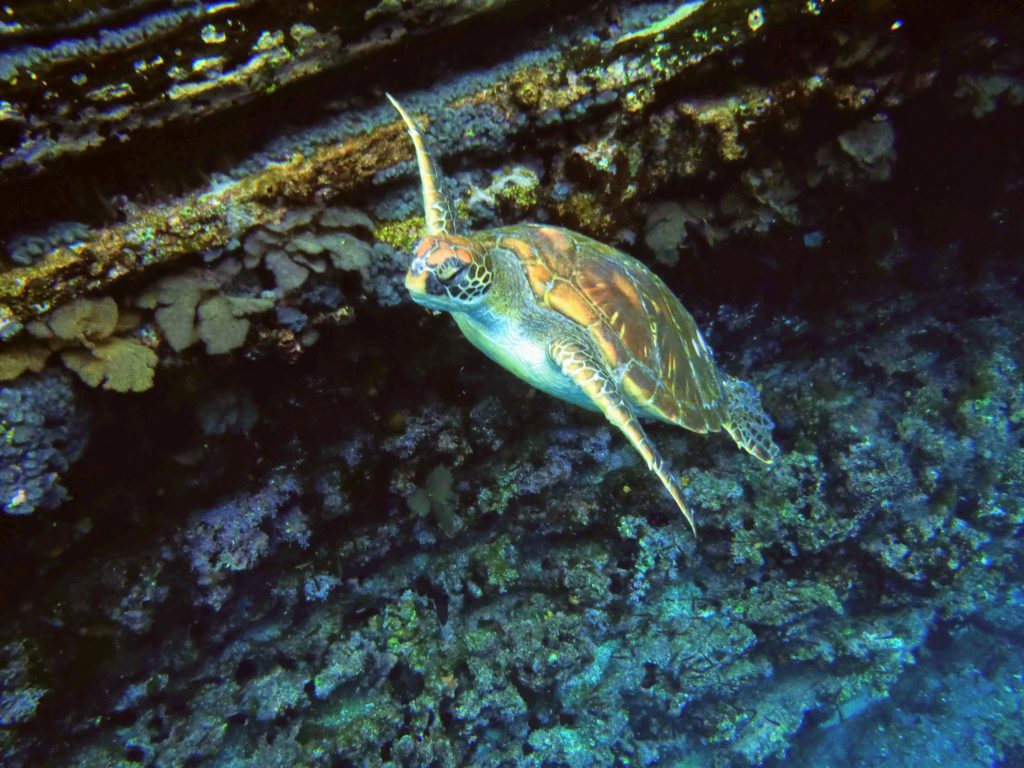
pixel 260 508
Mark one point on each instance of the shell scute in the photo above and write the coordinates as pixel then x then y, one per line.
pixel 612 347
pixel 564 297
pixel 637 323
pixel 639 383
pixel 554 239
pixel 527 254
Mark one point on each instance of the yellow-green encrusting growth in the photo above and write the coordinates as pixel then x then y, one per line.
pixel 402 235
pixel 94 339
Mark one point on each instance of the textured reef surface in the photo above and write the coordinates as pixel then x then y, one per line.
pixel 258 509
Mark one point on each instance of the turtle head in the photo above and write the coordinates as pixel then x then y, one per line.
pixel 449 273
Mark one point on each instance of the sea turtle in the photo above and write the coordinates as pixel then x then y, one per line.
pixel 581 321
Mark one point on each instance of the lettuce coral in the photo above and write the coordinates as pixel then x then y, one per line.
pixel 123 365
pixel 85 320
pixel 82 332
pixel 222 325
pixel 175 299
pixel 16 360
pixel 190 308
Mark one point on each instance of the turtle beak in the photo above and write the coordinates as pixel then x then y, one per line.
pixel 416 283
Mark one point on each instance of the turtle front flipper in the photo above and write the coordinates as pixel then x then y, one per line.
pixel 437 206
pixel 586 369
pixel 747 423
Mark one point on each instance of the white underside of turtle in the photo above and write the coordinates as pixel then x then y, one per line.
pixel 521 353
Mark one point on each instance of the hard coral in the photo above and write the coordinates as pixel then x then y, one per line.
pixel 42 433
pixel 237 534
pixel 83 331
pixel 190 308
pixel 123 365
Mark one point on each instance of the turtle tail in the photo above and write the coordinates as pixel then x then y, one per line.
pixel 747 422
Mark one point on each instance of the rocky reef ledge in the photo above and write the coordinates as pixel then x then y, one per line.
pixel 258 509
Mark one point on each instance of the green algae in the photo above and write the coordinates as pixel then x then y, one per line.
pixel 401 235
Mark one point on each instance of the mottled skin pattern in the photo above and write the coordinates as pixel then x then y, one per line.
pixel 580 321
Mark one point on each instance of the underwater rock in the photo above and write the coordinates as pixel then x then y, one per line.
pixel 165 64
pixel 576 77
pixel 332 533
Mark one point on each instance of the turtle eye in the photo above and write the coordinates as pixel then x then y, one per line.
pixel 446 277
pixel 450 269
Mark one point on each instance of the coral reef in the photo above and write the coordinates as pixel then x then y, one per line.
pixel 548 604
pixel 329 533
pixel 43 431
pixel 655 140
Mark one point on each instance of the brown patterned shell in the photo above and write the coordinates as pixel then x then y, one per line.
pixel 649 340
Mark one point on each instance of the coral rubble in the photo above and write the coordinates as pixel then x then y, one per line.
pixel 260 510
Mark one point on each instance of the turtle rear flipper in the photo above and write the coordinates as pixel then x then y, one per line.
pixel 747 422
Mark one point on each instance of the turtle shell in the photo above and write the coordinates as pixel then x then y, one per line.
pixel 649 340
